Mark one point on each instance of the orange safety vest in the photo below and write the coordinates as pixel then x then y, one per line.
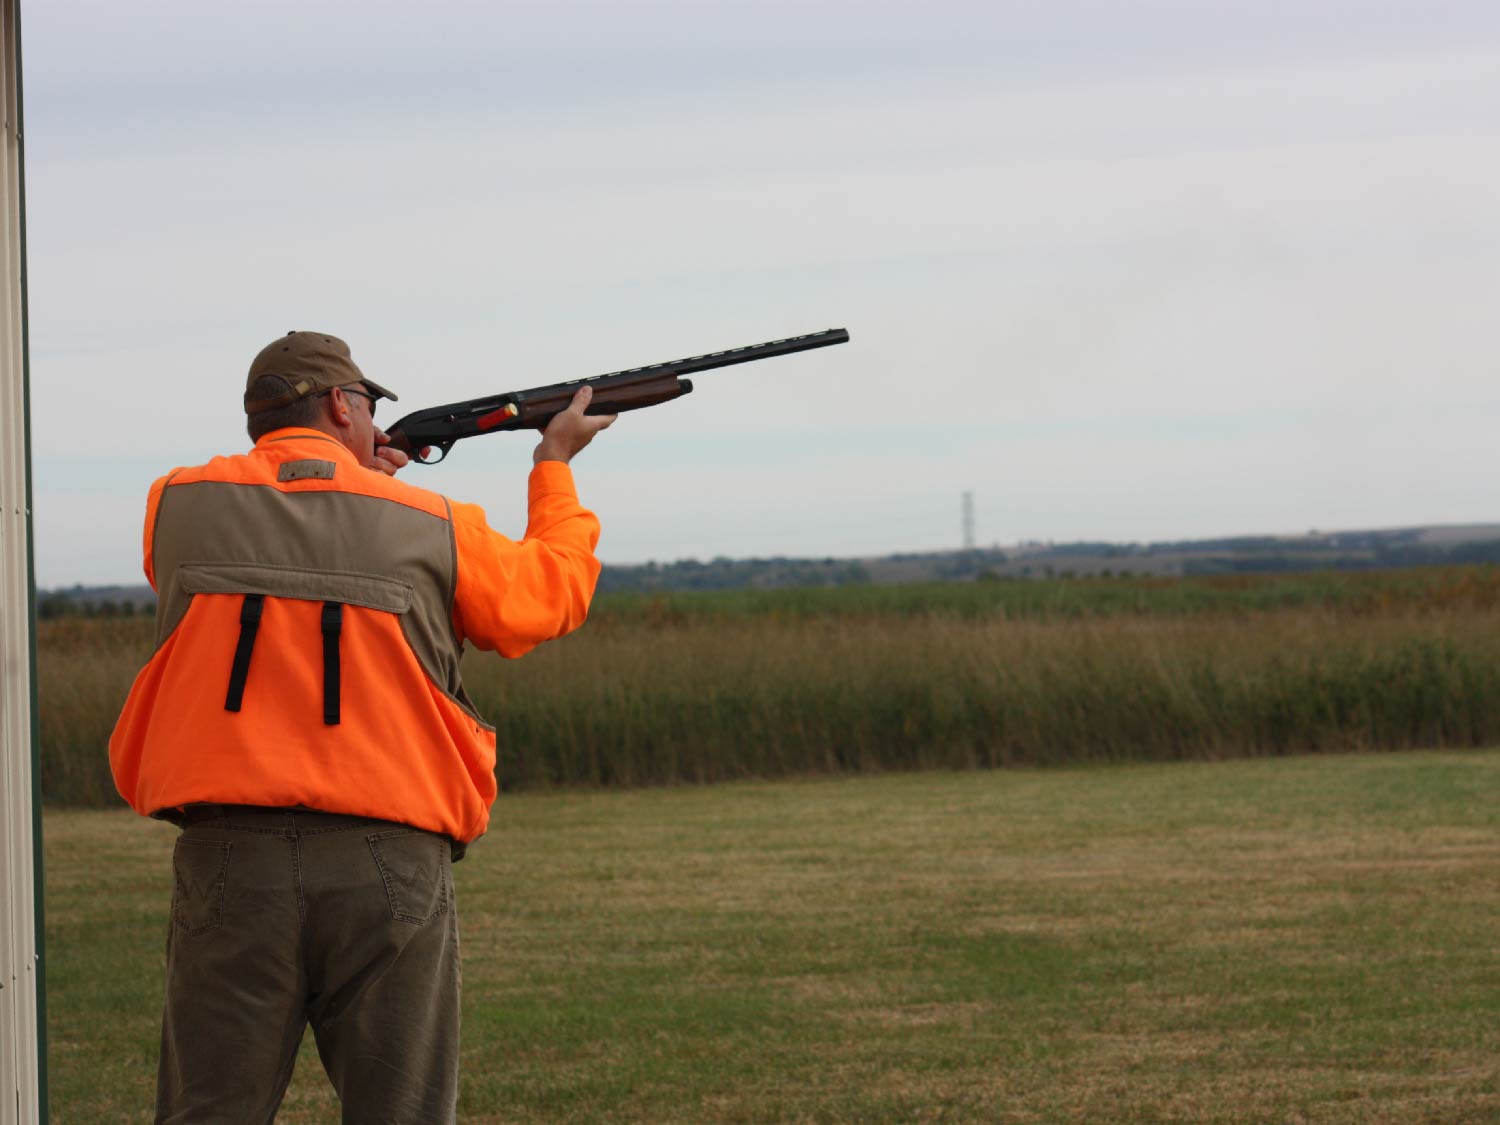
pixel 311 617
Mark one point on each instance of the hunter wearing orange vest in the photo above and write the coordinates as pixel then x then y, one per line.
pixel 303 719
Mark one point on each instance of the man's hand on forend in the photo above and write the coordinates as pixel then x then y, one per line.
pixel 567 434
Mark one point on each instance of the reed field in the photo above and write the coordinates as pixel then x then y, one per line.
pixel 1300 940
pixel 758 684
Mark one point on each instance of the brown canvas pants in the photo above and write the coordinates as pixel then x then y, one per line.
pixel 282 918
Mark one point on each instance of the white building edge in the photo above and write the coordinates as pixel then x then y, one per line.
pixel 22 1008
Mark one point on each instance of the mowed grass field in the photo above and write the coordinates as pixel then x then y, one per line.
pixel 1293 939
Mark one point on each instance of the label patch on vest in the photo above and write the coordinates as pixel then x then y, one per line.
pixel 306 470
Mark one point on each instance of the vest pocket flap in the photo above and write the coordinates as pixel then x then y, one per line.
pixel 373 591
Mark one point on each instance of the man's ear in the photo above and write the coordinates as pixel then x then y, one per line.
pixel 338 408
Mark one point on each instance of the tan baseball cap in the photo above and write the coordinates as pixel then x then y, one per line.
pixel 308 363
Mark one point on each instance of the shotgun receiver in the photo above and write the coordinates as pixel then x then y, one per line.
pixel 438 427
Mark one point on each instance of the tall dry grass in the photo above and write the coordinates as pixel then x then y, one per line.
pixel 706 701
pixel 84 670
pixel 709 687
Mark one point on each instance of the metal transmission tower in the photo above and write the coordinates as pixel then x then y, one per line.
pixel 968 521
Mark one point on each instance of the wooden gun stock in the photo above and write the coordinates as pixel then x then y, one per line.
pixel 539 407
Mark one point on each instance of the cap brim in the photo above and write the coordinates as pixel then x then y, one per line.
pixel 378 389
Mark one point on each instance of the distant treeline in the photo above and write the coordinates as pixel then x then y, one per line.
pixel 698 686
pixel 1244 555
pixel 1367 550
pixel 726 573
pixel 53 606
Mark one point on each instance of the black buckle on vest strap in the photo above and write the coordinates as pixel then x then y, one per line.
pixel 333 625
pixel 249 625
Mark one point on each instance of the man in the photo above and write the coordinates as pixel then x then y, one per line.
pixel 303 720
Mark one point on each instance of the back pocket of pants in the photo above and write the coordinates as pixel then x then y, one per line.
pixel 411 865
pixel 200 868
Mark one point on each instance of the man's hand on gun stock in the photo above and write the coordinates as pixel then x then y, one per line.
pixel 567 434
pixel 386 459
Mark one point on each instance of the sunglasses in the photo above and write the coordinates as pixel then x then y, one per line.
pixel 362 394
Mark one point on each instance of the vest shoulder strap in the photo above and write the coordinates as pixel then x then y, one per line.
pixel 250 610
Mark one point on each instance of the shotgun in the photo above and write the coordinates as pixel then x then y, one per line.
pixel 436 428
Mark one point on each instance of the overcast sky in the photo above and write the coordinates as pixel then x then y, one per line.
pixel 1125 271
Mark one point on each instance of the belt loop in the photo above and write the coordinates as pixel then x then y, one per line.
pixel 333 624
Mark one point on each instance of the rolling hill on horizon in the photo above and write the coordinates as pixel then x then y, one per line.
pixel 1438 544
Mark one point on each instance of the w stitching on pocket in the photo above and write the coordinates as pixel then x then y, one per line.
pixel 200 869
pixel 415 887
